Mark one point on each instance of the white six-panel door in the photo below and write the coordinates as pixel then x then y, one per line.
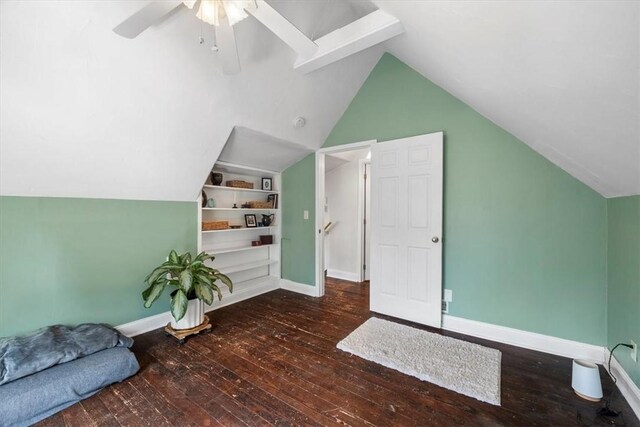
pixel 406 225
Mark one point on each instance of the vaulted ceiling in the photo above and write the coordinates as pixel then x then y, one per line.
pixel 85 113
pixel 562 76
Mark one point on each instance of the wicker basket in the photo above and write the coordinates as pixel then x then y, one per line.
pixel 214 225
pixel 239 184
pixel 260 205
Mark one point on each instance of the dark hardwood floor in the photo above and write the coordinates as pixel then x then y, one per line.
pixel 273 360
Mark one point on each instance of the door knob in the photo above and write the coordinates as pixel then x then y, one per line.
pixel 435 239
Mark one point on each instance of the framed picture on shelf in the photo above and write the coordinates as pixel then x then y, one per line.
pixel 273 199
pixel 250 220
pixel 266 184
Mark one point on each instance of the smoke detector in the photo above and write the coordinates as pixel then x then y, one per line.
pixel 299 122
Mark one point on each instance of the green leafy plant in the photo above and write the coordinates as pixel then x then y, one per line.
pixel 192 279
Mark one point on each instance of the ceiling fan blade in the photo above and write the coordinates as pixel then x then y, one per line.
pixel 145 17
pixel 228 52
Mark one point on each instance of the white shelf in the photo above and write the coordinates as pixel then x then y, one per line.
pixel 231 230
pixel 252 190
pixel 247 284
pixel 238 209
pixel 235 169
pixel 237 249
pixel 247 289
pixel 246 266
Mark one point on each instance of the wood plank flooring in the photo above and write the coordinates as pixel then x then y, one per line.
pixel 272 360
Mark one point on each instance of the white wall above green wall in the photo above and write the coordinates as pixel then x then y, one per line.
pixel 524 242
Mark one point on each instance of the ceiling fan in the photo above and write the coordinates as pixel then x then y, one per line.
pixel 222 14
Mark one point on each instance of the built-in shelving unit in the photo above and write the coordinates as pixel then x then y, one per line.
pixel 232 230
pixel 253 269
pixel 235 189
pixel 238 209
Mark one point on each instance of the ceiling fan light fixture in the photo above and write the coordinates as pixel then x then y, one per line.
pixel 212 11
pixel 235 10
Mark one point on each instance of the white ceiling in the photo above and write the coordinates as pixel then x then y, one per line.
pixel 561 76
pixel 258 150
pixel 86 113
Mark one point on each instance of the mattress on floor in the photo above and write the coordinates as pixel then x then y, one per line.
pixel 30 399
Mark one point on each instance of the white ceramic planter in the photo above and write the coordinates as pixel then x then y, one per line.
pixel 192 318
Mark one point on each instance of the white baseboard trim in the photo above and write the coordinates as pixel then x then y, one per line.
pixel 343 275
pixel 299 288
pixel 147 324
pixel 530 340
pixel 625 384
pixel 241 295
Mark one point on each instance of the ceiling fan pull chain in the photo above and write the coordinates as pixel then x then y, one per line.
pixel 201 40
pixel 214 46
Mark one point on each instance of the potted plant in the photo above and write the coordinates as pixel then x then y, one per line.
pixel 195 283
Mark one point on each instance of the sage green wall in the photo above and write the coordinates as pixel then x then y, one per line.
pixel 524 242
pixel 623 302
pixel 84 260
pixel 298 239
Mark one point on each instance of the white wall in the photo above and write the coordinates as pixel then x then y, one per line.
pixel 341 254
pixel 87 113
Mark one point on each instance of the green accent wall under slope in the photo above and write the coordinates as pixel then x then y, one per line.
pixel 297 237
pixel 623 302
pixel 71 261
pixel 524 242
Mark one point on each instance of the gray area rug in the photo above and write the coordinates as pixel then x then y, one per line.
pixel 466 368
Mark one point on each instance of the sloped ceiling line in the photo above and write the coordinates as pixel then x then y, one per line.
pixel 84 113
pixel 563 77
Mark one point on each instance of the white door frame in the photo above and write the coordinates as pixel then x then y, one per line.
pixel 361 209
pixel 320 203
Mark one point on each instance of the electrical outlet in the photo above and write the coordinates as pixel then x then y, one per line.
pixel 445 307
pixel 448 295
pixel 634 352
pixel 305 215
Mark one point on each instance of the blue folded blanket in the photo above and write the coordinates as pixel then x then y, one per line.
pixel 26 355
pixel 28 400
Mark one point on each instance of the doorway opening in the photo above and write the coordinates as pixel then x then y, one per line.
pixel 342 213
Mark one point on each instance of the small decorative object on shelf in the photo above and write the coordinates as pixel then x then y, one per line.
pixel 267 219
pixel 250 221
pixel 256 243
pixel 260 205
pixel 246 205
pixel 240 184
pixel 214 225
pixel 216 178
pixel 266 239
pixel 266 184
pixel 211 203
pixel 204 199
pixel 235 206
pixel 273 199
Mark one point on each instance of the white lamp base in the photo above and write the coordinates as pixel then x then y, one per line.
pixel 590 399
pixel 585 380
